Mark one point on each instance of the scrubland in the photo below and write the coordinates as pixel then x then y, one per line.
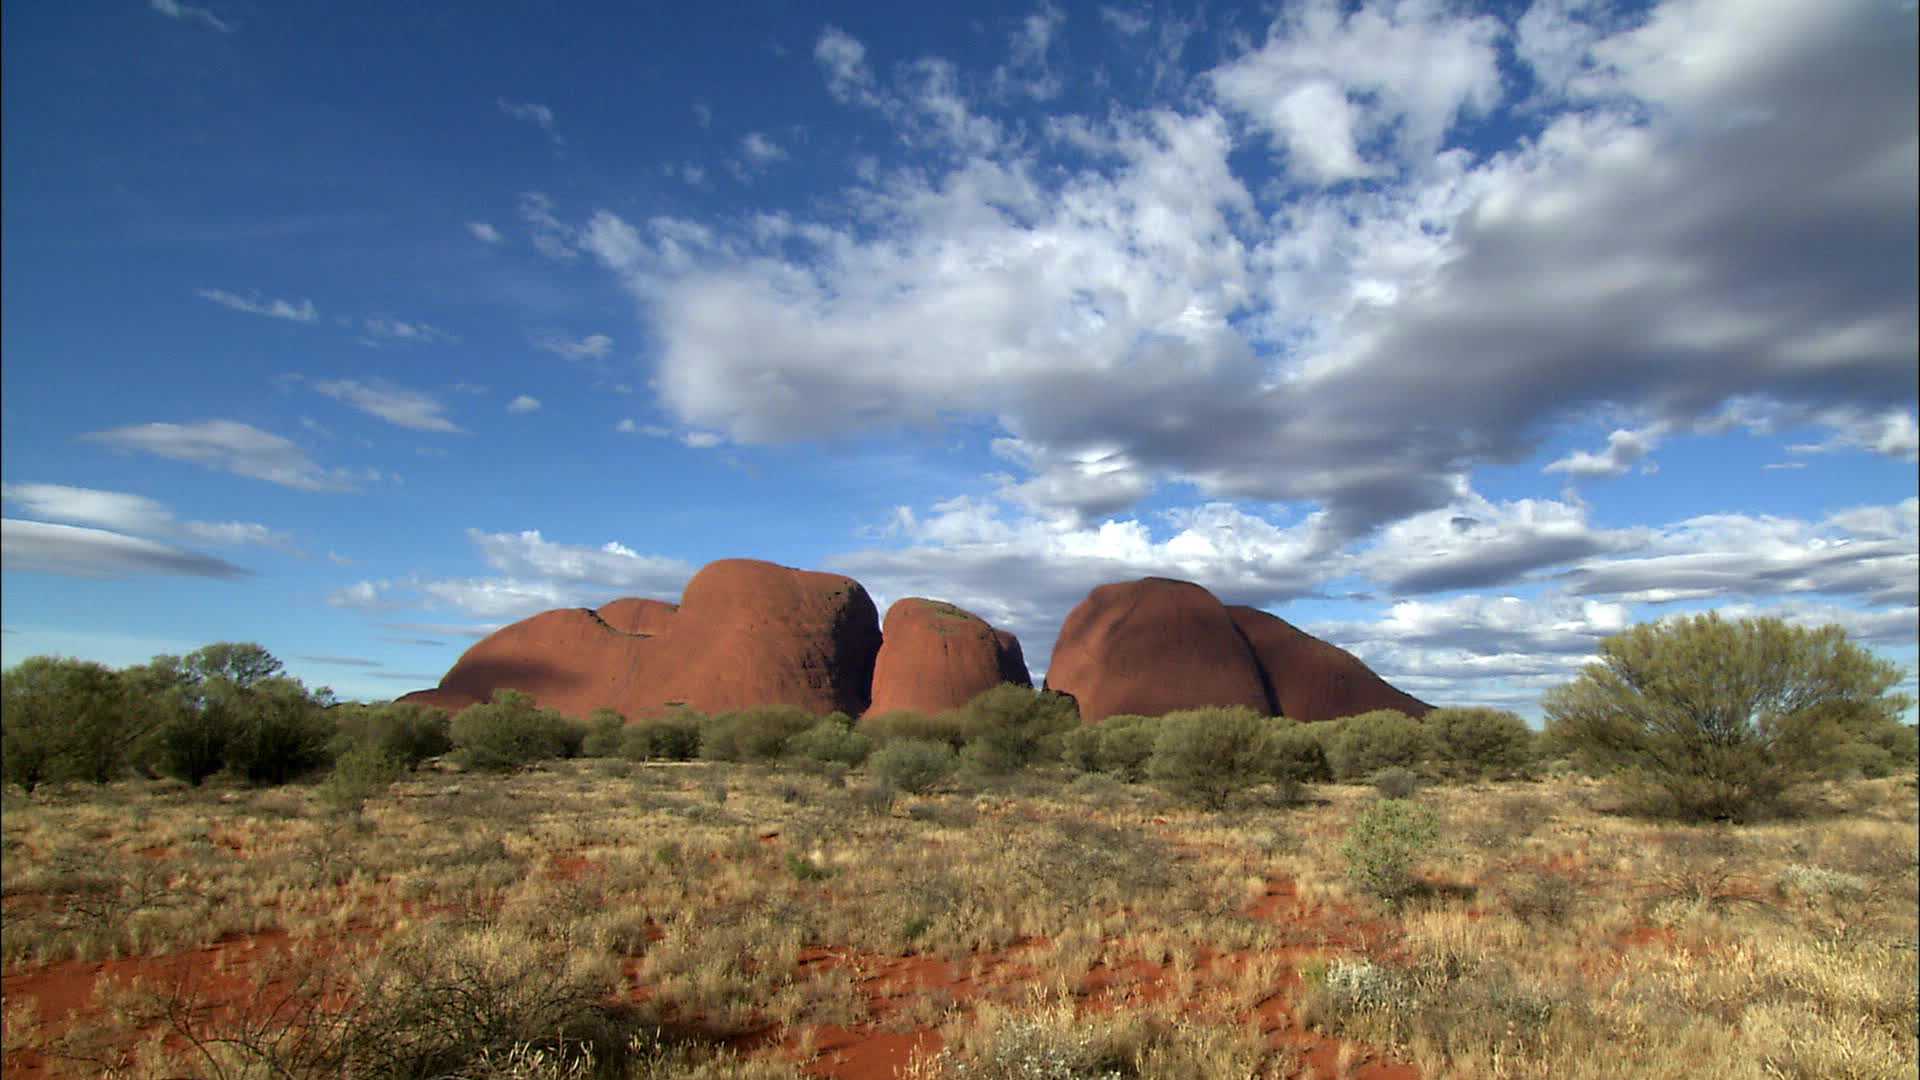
pixel 606 917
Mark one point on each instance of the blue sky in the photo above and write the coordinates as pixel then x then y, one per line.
pixel 1462 336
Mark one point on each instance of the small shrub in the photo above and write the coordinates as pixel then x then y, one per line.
pixel 876 798
pixel 1126 743
pixel 1362 745
pixel 358 775
pixel 913 765
pixel 1384 842
pixel 1018 724
pixel 1396 782
pixel 805 869
pixel 1207 755
pixel 674 738
pixel 511 731
pixel 1471 743
pixel 953 727
pixel 831 740
pixel 753 734
pixel 606 734
pixel 1541 897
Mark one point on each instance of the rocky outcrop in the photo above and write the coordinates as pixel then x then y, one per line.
pixel 746 633
pixel 1153 646
pixel 935 656
pixel 1313 680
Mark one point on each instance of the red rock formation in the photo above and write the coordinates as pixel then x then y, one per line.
pixel 637 615
pixel 746 633
pixel 934 657
pixel 1313 680
pixel 1153 646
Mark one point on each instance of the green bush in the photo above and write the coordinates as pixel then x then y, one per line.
pixel 758 734
pixel 280 731
pixel 606 733
pixel 1384 842
pixel 1473 743
pixel 1395 782
pixel 831 740
pixel 1208 754
pixel 364 771
pixel 671 738
pixel 1119 746
pixel 1295 755
pixel 1080 748
pixel 1362 745
pixel 511 731
pixel 1017 724
pixel 913 765
pixel 63 719
pixel 191 744
pixel 1721 718
pixel 406 732
pixel 953 727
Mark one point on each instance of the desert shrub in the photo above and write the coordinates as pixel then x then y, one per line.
pixel 1126 743
pixel 359 774
pixel 191 745
pixel 913 765
pixel 1721 718
pixel 63 719
pixel 1537 896
pixel 281 732
pixel 1294 755
pixel 511 731
pixel 1359 746
pixel 1017 724
pixel 1384 842
pixel 672 738
pixel 1208 754
pixel 832 739
pixel 984 759
pixel 758 734
pixel 1396 783
pixel 952 727
pixel 1880 751
pixel 405 732
pixel 606 732
pixel 1080 748
pixel 1470 743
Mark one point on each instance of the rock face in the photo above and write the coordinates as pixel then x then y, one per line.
pixel 746 633
pixel 935 656
pixel 1153 646
pixel 1313 680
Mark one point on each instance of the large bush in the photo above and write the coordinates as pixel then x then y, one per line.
pixel 1119 746
pixel 279 732
pixel 953 727
pixel 670 738
pixel 831 740
pixel 1014 725
pixel 511 731
pixel 913 765
pixel 63 719
pixel 1361 745
pixel 1470 743
pixel 403 732
pixel 753 734
pixel 1719 718
pixel 1208 754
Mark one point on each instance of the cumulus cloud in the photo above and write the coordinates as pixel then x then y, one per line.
pixel 1625 449
pixel 550 236
pixel 407 332
pixel 229 446
pixel 397 405
pixel 74 551
pixel 591 347
pixel 304 311
pixel 523 404
pixel 760 150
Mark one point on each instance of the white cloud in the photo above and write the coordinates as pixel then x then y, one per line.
pixel 1894 433
pixel 523 404
pixel 229 446
pixel 1625 449
pixel 85 506
pixel 591 347
pixel 397 405
pixel 174 9
pixel 1026 70
pixel 539 116
pixel 702 440
pixel 73 551
pixel 304 311
pixel 844 60
pixel 761 150
pixel 550 236
pixel 1130 23
pixel 703 114
pixel 410 332
pixel 484 232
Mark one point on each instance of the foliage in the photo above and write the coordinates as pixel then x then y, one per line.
pixel 673 738
pixel 1208 754
pixel 606 731
pixel 953 727
pixel 63 719
pixel 1383 844
pixel 1017 724
pixel 1360 745
pixel 1471 742
pixel 832 739
pixel 405 731
pixel 1119 745
pixel 1395 782
pixel 280 730
pixel 758 734
pixel 362 772
pixel 1720 717
pixel 912 765
pixel 511 731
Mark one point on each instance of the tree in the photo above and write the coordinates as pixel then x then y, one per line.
pixel 241 663
pixel 1473 742
pixel 1722 717
pixel 65 719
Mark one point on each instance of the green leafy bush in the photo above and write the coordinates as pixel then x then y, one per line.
pixel 511 731
pixel 832 740
pixel 1119 746
pixel 1016 724
pixel 63 719
pixel 1383 844
pixel 1208 754
pixel 359 774
pixel 1395 782
pixel 953 727
pixel 606 734
pixel 759 734
pixel 913 765
pixel 1359 746
pixel 406 732
pixel 1720 718
pixel 280 731
pixel 1472 743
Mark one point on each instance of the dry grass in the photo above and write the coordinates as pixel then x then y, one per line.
pixel 630 921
